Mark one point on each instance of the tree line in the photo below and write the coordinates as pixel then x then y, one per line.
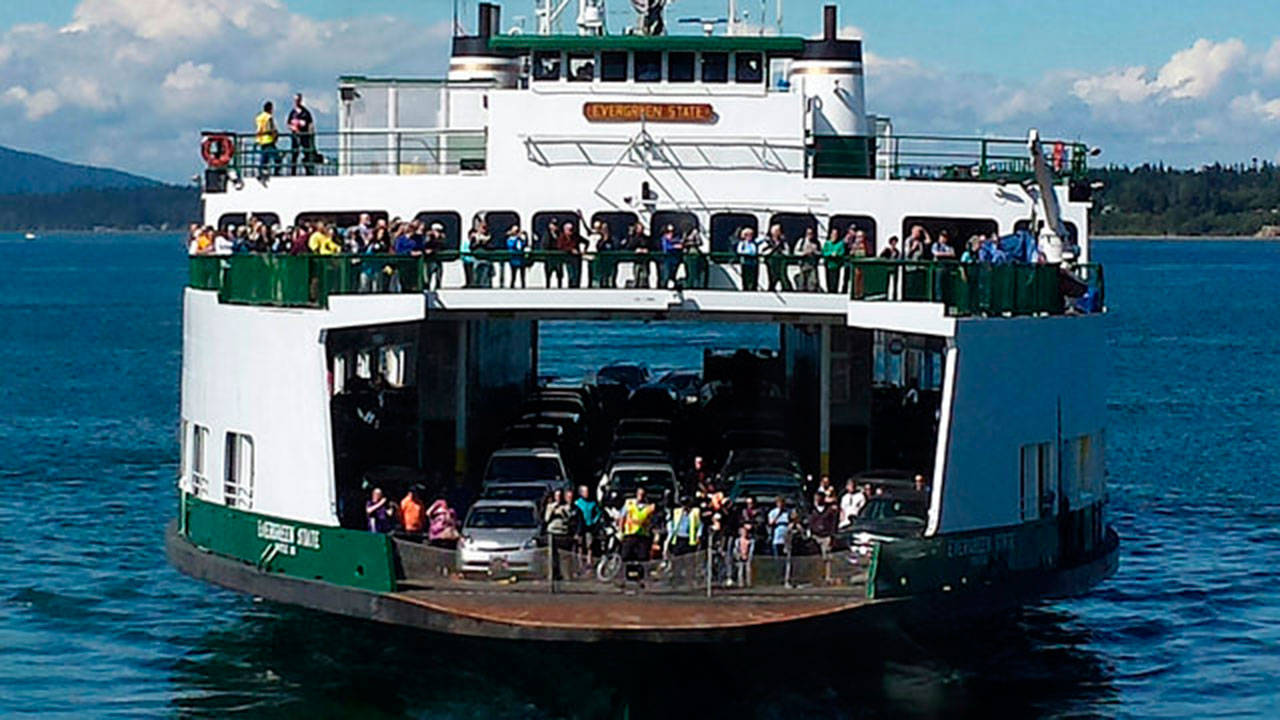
pixel 1211 200
pixel 117 209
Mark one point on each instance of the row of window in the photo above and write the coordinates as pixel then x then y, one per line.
pixel 610 66
pixel 238 465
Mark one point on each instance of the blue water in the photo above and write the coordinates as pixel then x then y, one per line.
pixel 93 623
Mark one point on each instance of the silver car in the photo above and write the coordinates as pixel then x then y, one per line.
pixel 500 536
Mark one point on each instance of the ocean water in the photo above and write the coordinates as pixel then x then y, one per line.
pixel 94 623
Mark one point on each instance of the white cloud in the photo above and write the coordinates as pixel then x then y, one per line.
pixel 36 105
pixel 1253 106
pixel 1197 71
pixel 131 83
pixel 1129 85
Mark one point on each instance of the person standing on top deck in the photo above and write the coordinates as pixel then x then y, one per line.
pixel 517 246
pixel 918 243
pixel 606 263
pixel 833 252
pixel 637 244
pixel 695 261
pixel 942 249
pixel 554 265
pixel 671 246
pixel 808 250
pixel 432 248
pixel 775 249
pixel 266 135
pixel 572 243
pixel 748 252
pixel 302 137
pixel 637 538
pixel 859 248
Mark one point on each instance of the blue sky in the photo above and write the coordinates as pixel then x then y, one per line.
pixel 129 83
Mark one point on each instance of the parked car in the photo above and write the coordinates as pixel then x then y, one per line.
pixel 629 375
pixel 519 465
pixel 657 478
pixel 499 533
pixel 652 401
pixel 768 484
pixel 643 426
pixel 885 518
pixel 887 479
pixel 746 458
pixel 686 384
pixel 535 492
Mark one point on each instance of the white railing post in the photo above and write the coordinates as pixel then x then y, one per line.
pixel 393 123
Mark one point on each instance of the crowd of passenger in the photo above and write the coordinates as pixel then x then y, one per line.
pixel 648 528
pixel 597 258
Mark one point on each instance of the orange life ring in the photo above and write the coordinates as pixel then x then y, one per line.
pixel 217 150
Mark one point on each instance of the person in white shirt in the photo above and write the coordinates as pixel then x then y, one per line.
pixel 852 502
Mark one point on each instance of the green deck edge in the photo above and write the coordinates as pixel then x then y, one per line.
pixel 307 551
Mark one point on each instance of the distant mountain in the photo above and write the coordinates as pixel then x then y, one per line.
pixel 23 173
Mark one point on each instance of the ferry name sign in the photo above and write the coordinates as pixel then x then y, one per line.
pixel 650 112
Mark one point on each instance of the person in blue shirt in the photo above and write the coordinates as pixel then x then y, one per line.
pixel 672 247
pixel 517 243
pixel 749 256
pixel 407 243
pixel 588 521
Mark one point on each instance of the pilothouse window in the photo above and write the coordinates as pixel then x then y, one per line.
pixel 613 66
pixel 681 67
pixel 582 68
pixel 715 67
pixel 748 68
pixel 648 67
pixel 546 65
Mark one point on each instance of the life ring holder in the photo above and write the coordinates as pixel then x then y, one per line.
pixel 217 150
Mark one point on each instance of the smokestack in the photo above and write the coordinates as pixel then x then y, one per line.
pixel 829 22
pixel 490 20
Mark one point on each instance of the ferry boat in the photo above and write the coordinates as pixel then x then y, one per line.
pixel 308 379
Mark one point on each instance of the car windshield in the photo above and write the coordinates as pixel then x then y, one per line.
pixel 651 480
pixel 524 468
pixel 502 517
pixel 893 508
pixel 514 492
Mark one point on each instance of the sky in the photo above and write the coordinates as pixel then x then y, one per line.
pixel 130 83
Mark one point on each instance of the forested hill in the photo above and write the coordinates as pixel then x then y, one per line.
pixel 1213 200
pixel 24 172
pixel 41 193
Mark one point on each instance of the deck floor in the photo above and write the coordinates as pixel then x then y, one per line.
pixel 632 611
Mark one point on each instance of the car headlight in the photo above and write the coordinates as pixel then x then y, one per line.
pixel 531 543
pixel 464 541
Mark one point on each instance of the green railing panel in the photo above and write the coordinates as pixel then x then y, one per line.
pixel 205 272
pixel 352 558
pixel 965 289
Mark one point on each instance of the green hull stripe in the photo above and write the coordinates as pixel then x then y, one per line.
pixel 312 552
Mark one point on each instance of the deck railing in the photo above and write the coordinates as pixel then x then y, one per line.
pixel 361 152
pixel 939 157
pixel 966 289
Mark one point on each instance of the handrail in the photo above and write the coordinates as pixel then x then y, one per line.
pixel 965 289
pixel 363 151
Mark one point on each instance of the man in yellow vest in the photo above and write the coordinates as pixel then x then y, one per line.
pixel 266 134
pixel 636 536
pixel 684 528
